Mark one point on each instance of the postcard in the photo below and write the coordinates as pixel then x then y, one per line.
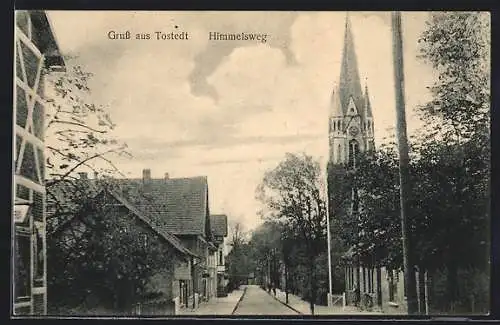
pixel 251 163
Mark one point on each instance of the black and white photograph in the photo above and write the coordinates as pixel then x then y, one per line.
pixel 250 163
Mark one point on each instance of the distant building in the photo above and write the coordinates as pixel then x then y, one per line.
pixel 36 53
pixel 351 131
pixel 218 224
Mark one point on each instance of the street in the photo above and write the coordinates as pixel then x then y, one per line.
pixel 258 302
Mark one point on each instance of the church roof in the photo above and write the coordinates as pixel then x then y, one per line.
pixel 350 85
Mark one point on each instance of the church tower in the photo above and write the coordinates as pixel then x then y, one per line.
pixel 350 120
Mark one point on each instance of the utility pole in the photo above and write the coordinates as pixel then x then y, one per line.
pixel 410 281
pixel 329 243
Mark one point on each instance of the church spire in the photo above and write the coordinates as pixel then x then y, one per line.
pixel 368 106
pixel 350 85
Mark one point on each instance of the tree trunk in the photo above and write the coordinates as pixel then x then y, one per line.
pixel 452 285
pixel 312 286
pixel 429 290
pixel 286 283
pixel 391 285
pixel 379 287
pixel 421 291
pixel 358 288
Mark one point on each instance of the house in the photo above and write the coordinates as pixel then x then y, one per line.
pixel 218 224
pixel 181 207
pixel 125 218
pixel 36 53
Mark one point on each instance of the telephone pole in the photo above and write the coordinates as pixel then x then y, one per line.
pixel 409 271
pixel 329 243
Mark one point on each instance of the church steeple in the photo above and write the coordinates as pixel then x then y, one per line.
pixel 350 85
pixel 368 106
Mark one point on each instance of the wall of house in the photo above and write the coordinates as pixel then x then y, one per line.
pixel 395 305
pixel 30 280
pixel 162 281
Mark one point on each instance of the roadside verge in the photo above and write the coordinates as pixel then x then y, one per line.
pixel 283 303
pixel 239 300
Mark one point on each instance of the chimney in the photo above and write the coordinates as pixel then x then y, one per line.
pixel 167 176
pixel 146 175
pixel 83 175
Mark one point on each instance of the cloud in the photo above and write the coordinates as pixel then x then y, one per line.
pixel 231 110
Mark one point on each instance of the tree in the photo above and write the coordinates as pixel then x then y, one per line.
pixel 101 257
pixel 292 193
pixel 239 262
pixel 457 152
pixel 237 235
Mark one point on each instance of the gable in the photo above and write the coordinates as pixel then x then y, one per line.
pixel 351 107
pixel 219 225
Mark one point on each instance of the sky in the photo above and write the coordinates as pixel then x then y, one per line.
pixel 230 110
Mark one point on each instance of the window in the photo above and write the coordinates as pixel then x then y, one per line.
pixel 22 263
pixel 39 261
pixel 339 153
pixel 353 153
pixel 220 258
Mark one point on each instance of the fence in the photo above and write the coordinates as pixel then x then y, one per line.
pixel 338 300
pixel 152 308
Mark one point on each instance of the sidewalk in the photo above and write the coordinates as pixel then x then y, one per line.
pixel 216 306
pixel 302 306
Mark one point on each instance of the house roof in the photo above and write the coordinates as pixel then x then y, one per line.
pixel 178 205
pixel 218 224
pixel 174 241
pixel 46 40
pixel 61 198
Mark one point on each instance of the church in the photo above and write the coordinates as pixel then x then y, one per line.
pixel 351 132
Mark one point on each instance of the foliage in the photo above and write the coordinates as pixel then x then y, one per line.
pixel 239 260
pixel 292 192
pixel 458 47
pixel 449 170
pixel 103 254
pixel 77 131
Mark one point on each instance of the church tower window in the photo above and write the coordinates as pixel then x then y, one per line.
pixel 353 153
pixel 339 153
